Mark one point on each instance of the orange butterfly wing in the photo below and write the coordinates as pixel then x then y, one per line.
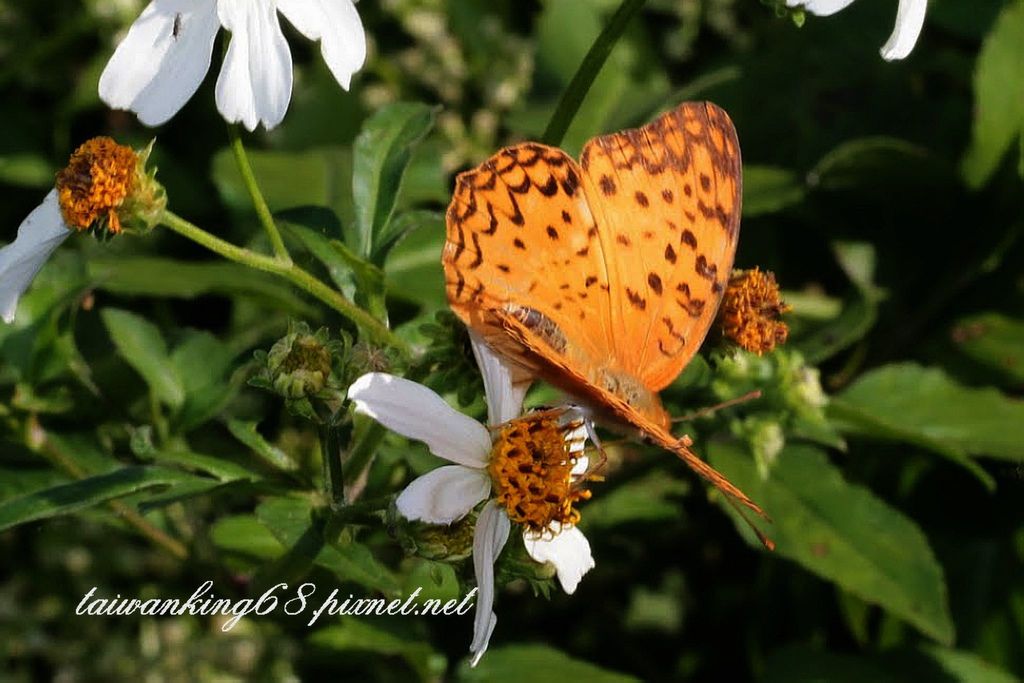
pixel 605 292
pixel 667 197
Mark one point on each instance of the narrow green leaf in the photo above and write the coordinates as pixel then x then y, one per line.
pixel 66 498
pixel 222 469
pixel 381 153
pixel 247 433
pixel 998 97
pixel 905 398
pixel 141 345
pixel 768 189
pixel 545 664
pixel 843 533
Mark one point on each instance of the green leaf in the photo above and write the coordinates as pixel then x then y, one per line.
pixel 645 500
pixel 161 277
pixel 222 469
pixel 412 269
pixel 357 278
pixel 900 400
pixel 877 164
pixel 139 342
pixel 995 341
pixel 843 533
pixel 545 665
pixel 289 519
pixel 859 311
pixel 403 224
pixel 768 189
pixel 286 179
pixel 66 498
pixel 357 635
pixel 381 153
pixel 800 663
pixel 202 361
pixel 998 97
pixel 353 561
pixel 243 534
pixel 853 323
pixel 26 170
pixel 246 433
pixel 308 226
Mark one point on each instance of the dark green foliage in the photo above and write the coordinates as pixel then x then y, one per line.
pixel 157 432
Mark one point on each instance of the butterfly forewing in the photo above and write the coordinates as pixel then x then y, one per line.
pixel 667 199
pixel 522 245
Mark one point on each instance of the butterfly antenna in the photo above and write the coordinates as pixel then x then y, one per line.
pixel 765 541
pixel 703 412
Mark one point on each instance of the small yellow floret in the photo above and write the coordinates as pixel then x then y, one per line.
pixel 95 183
pixel 750 311
pixel 531 469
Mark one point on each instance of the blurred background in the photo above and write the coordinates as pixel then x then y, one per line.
pixel 889 448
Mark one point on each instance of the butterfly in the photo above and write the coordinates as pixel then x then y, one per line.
pixel 604 276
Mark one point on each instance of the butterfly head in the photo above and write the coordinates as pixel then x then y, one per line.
pixel 537 468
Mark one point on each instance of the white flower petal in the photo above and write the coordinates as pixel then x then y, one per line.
pixel 336 24
pixel 565 547
pixel 489 537
pixel 444 495
pixel 154 72
pixel 416 412
pixel 39 235
pixel 504 396
pixel 255 83
pixel 909 21
pixel 580 468
pixel 822 8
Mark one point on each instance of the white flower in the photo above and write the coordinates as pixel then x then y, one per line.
pixel 167 52
pixel 450 492
pixel 38 236
pixel 909 21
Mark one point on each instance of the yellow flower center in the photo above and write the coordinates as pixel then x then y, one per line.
pixel 750 311
pixel 94 184
pixel 531 469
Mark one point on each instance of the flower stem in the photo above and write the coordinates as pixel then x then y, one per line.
pixel 330 451
pixel 291 272
pixel 258 202
pixel 591 65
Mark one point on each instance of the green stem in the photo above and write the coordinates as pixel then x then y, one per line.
pixel 330 451
pixel 578 88
pixel 258 202
pixel 289 271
